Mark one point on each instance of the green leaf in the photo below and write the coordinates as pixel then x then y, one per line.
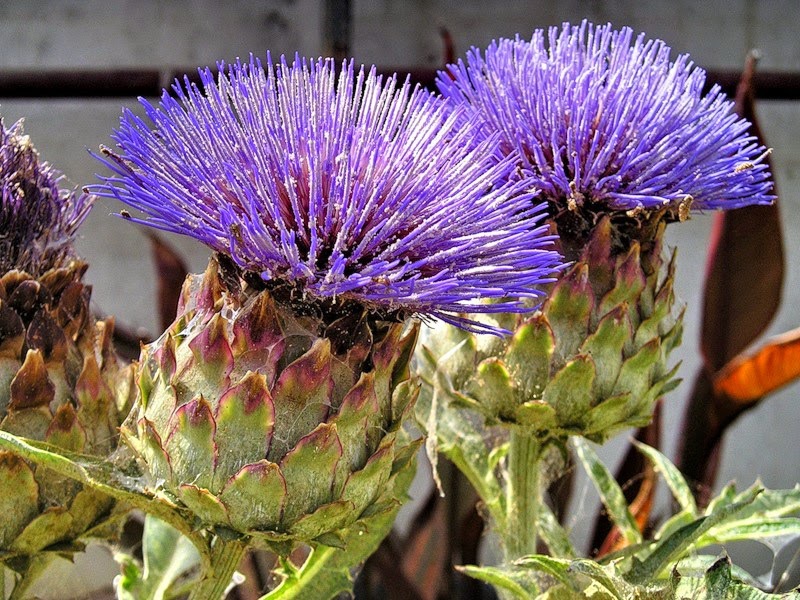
pixel 672 476
pixel 555 567
pixel 493 389
pixel 516 581
pixel 528 357
pixel 718 583
pixel 700 563
pixel 766 517
pixel 594 571
pixel 167 556
pixel 611 494
pixel 606 345
pixel 553 534
pixel 681 541
pixel 751 529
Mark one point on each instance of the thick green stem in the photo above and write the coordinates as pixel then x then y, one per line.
pixel 225 557
pixel 523 495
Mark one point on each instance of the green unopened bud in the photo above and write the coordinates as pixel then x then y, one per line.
pixel 590 362
pixel 282 427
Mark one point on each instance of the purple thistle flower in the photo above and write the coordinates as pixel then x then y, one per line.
pixel 600 117
pixel 38 221
pixel 342 185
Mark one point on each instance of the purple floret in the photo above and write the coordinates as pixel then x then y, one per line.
pixel 597 116
pixel 38 221
pixel 340 183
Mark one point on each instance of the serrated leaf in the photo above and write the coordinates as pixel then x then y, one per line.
pixel 556 567
pixel 755 529
pixel 597 573
pixel 764 518
pixel 611 494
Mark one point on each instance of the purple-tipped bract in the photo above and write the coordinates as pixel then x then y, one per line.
pixel 338 182
pixel 597 116
pixel 38 221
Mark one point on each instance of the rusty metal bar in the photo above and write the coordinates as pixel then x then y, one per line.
pixel 126 83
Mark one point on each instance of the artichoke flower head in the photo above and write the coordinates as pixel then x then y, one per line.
pixel 619 140
pixel 59 377
pixel 338 205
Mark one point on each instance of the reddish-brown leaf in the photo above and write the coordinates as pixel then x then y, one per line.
pixel 747 379
pixel 745 264
pixel 744 277
pixel 170 272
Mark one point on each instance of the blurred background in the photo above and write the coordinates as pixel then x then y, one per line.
pixel 152 41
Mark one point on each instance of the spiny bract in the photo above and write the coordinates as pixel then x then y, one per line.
pixel 281 426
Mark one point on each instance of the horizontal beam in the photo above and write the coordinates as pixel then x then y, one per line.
pixel 126 83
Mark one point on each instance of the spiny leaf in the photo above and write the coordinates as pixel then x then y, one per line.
pixel 718 583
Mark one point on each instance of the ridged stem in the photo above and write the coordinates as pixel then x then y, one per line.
pixel 225 557
pixel 523 495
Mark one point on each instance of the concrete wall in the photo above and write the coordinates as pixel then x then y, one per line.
pixel 97 33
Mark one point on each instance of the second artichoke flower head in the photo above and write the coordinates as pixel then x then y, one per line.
pixel 338 206
pixel 619 139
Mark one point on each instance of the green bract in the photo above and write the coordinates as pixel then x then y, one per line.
pixel 590 362
pixel 278 423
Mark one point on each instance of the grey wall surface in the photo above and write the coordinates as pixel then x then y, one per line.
pixel 149 33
